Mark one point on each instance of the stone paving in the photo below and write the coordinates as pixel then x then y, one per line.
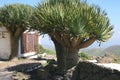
pixel 6 75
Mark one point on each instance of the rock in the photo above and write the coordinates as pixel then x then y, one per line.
pixel 42 74
pixel 20 76
pixel 91 71
pixel 105 60
pixel 57 77
pixel 69 74
pixel 5 75
pixel 51 67
pixel 42 55
pixel 27 67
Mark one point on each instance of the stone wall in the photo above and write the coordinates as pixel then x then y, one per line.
pixel 91 71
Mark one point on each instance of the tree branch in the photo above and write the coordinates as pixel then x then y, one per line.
pixel 75 41
pixel 19 31
pixel 66 39
pixel 56 37
pixel 87 42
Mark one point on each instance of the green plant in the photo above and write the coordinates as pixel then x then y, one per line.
pixel 15 18
pixel 39 49
pixel 117 59
pixel 83 56
pixel 48 51
pixel 22 58
pixel 71 25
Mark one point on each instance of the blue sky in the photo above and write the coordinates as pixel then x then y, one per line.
pixel 29 2
pixel 112 7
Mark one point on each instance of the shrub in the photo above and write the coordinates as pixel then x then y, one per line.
pixel 117 60
pixel 39 49
pixel 109 58
pixel 83 56
pixel 48 51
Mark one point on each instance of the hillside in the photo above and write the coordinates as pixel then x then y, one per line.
pixel 99 51
pixel 112 50
pixel 93 51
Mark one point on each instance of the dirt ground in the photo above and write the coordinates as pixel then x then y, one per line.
pixel 14 68
pixel 5 64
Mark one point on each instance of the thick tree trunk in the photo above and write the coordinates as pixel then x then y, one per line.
pixel 61 57
pixel 66 57
pixel 72 57
pixel 14 47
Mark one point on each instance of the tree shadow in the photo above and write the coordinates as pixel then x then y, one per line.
pixel 27 69
pixel 30 69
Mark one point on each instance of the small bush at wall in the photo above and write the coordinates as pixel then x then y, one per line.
pixel 48 51
pixel 117 59
pixel 108 58
pixel 39 49
pixel 83 56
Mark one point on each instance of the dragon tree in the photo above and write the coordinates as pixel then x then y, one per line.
pixel 71 25
pixel 15 17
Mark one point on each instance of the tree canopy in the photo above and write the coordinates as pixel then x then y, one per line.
pixel 15 17
pixel 72 25
pixel 73 19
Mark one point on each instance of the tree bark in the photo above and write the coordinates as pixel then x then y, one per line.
pixel 14 47
pixel 72 57
pixel 66 57
pixel 61 57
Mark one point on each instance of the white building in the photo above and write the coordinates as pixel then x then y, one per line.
pixel 26 43
pixel 4 43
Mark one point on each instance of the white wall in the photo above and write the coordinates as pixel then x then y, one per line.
pixel 4 43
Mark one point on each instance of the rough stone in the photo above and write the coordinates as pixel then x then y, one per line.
pixel 5 75
pixel 42 74
pixel 57 77
pixel 91 71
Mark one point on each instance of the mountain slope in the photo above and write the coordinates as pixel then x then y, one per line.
pixel 93 52
pixel 112 50
pixel 100 52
